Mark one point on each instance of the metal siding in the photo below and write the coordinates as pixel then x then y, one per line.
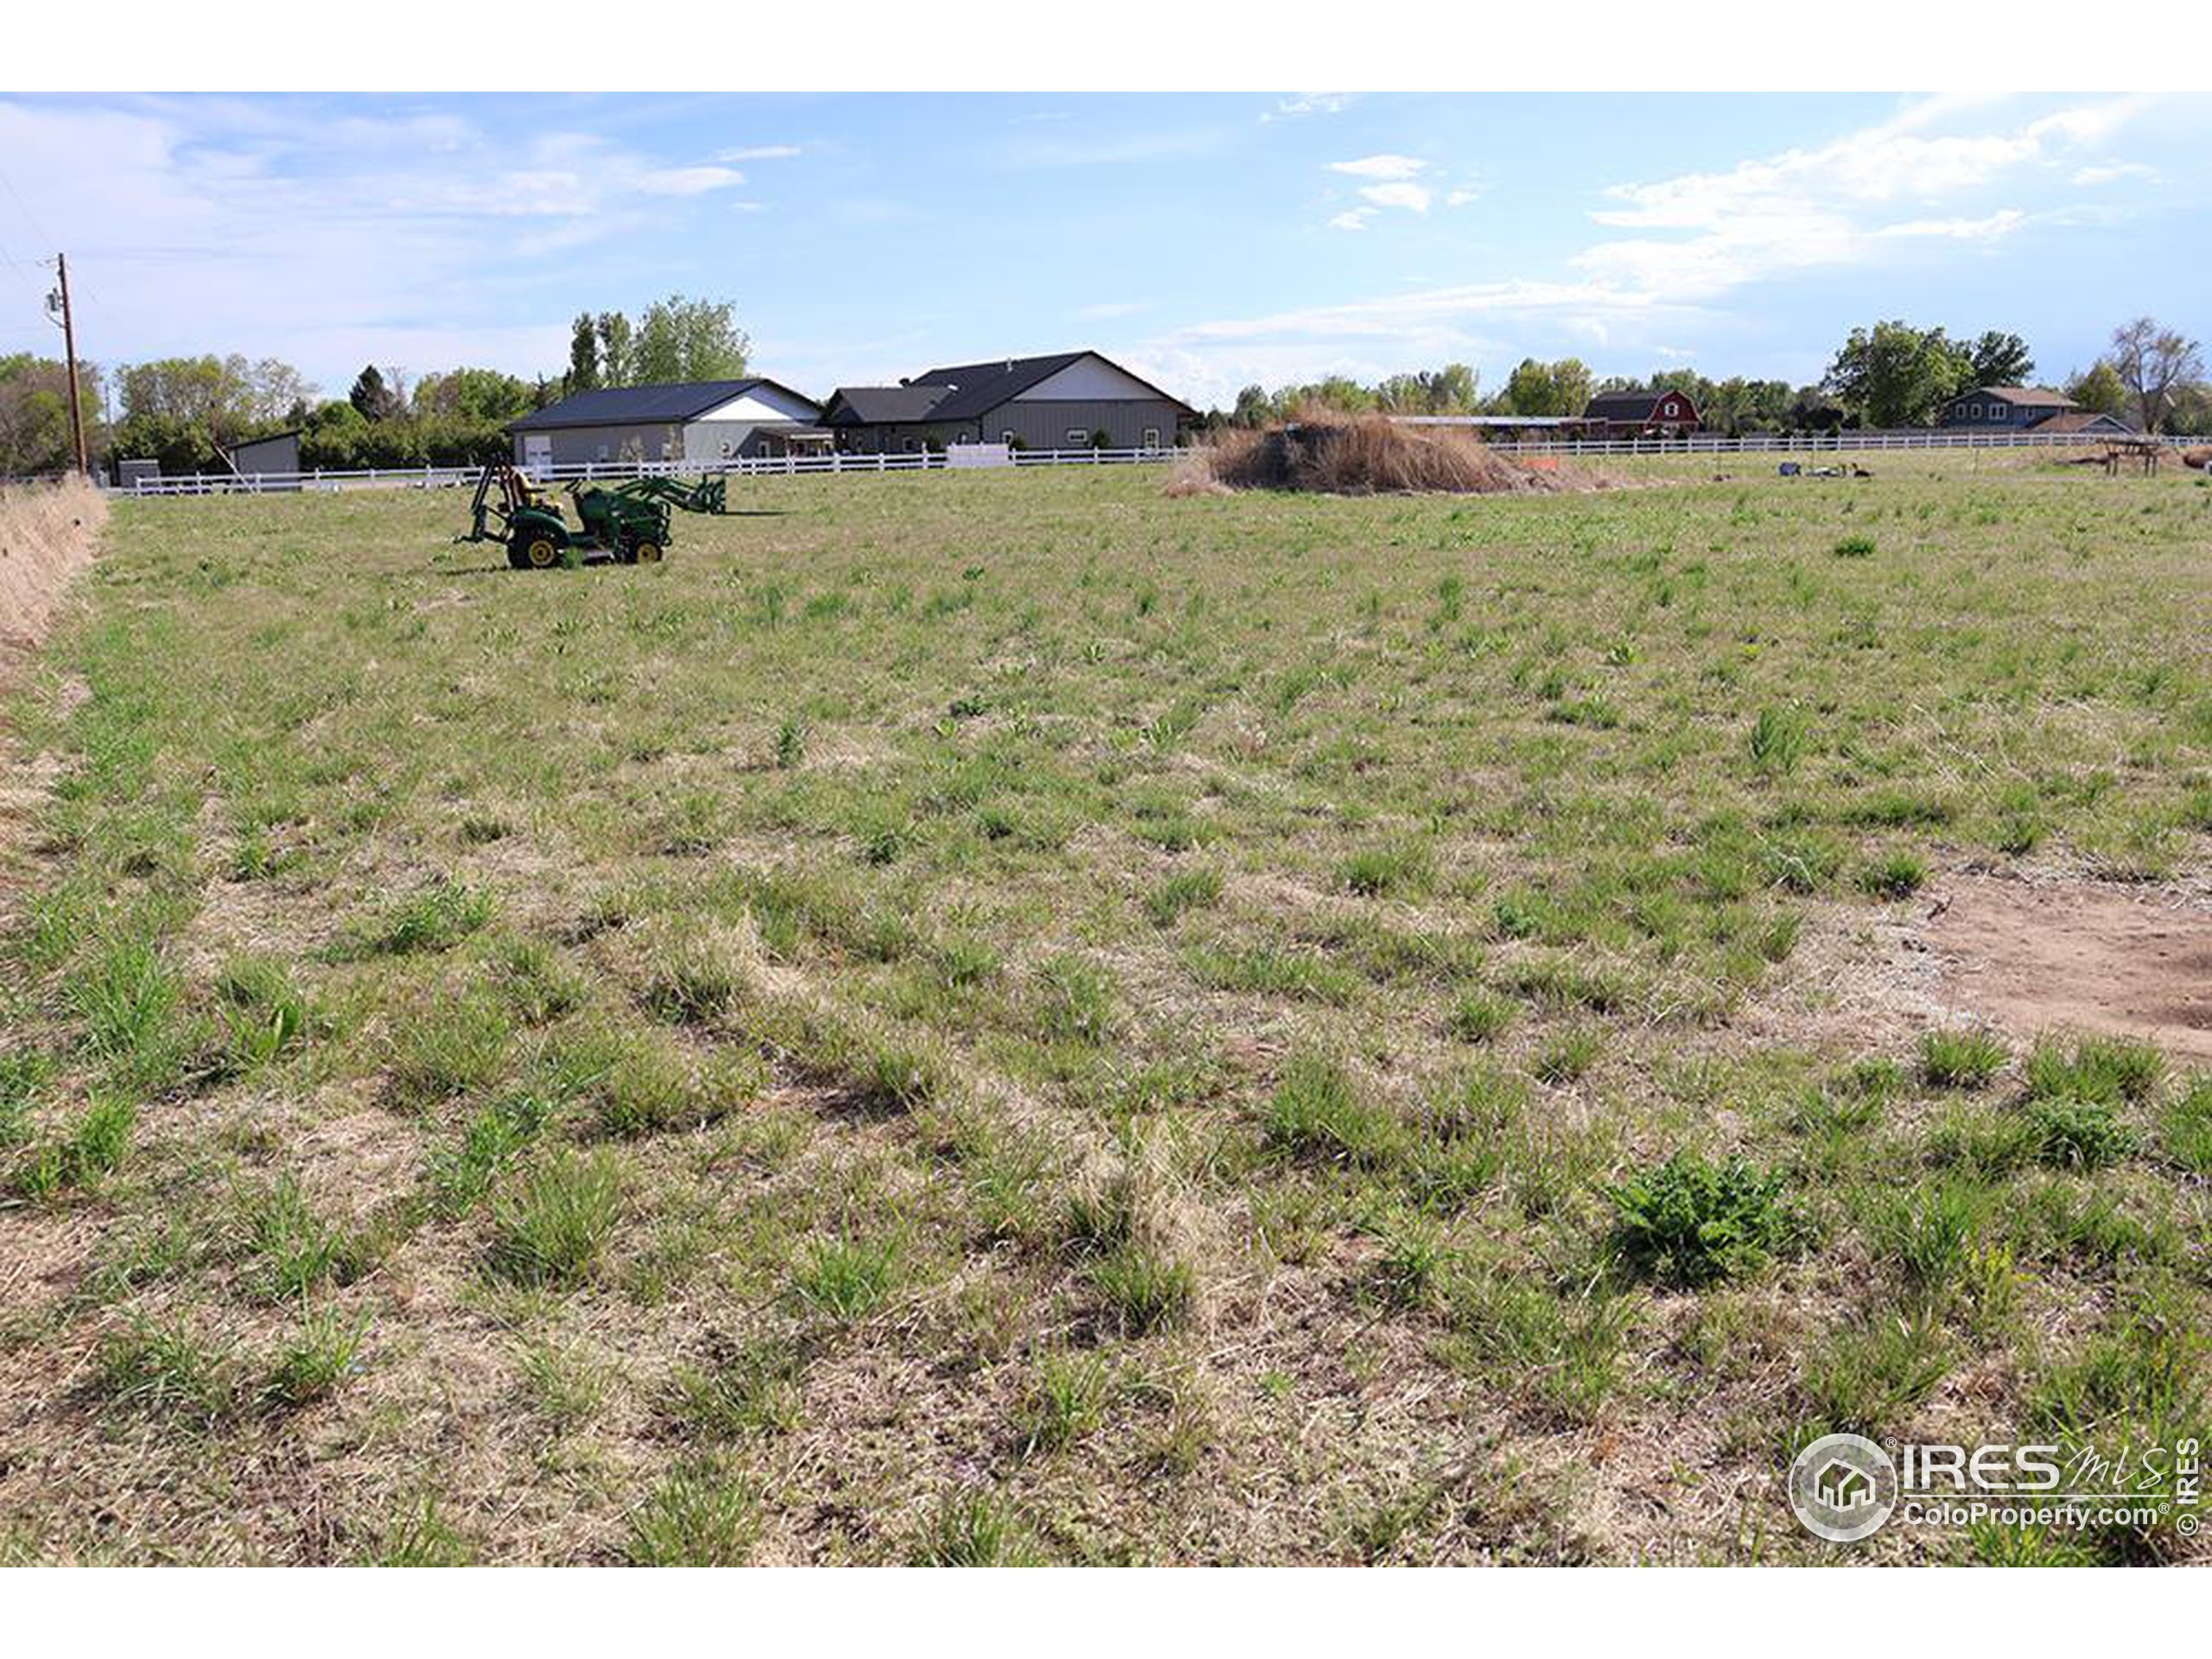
pixel 575 445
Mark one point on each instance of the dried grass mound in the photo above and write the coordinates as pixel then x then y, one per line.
pixel 1368 454
pixel 46 533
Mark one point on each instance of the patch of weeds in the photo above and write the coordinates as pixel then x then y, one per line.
pixel 455 1047
pixel 1408 1269
pixel 1866 1376
pixel 754 1390
pixel 1479 1017
pixel 321 1354
pixel 2187 1130
pixel 1690 1223
pixel 1065 1400
pixel 1386 872
pixel 1271 970
pixel 1893 875
pixel 165 1370
pixel 550 1221
pixel 1854 547
pixel 1185 890
pixel 420 1536
pixel 1075 1000
pixel 694 984
pixel 536 986
pixel 1931 1233
pixel 1561 1347
pixel 435 919
pixel 2077 1134
pixel 2107 1070
pixel 1144 1290
pixel 1317 1111
pixel 1801 862
pixel 1567 1057
pixel 296 1248
pixel 129 999
pixel 461 1174
pixel 846 1278
pixel 703 1515
pixel 790 743
pixel 1777 741
pixel 1961 1057
pixel 972 1528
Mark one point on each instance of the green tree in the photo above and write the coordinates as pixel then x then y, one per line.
pixel 2099 390
pixel 617 350
pixel 2158 365
pixel 2000 359
pixel 1894 374
pixel 583 354
pixel 378 396
pixel 34 414
pixel 1254 408
pixel 685 340
pixel 1561 388
pixel 478 396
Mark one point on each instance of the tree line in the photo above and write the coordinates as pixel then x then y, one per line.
pixel 190 413
pixel 1890 374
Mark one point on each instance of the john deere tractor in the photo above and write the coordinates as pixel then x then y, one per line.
pixel 626 522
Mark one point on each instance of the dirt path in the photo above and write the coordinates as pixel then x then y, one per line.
pixel 2038 955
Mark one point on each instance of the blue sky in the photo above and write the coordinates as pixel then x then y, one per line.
pixel 1207 241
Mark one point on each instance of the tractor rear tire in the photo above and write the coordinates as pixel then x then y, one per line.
pixel 645 553
pixel 537 551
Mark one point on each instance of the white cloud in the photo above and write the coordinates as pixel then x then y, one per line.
pixel 2112 171
pixel 1988 228
pixel 688 180
pixel 1303 103
pixel 1462 196
pixel 1382 166
pixel 758 153
pixel 1353 218
pixel 1413 196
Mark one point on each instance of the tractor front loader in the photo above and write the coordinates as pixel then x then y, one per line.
pixel 626 522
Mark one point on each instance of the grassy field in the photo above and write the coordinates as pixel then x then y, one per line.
pixel 993 1019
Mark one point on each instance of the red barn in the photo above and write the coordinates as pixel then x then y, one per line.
pixel 1642 414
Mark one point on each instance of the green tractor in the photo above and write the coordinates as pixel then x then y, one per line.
pixel 626 522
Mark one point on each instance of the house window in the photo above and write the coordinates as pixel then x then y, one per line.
pixel 909 446
pixel 1152 437
pixel 602 452
pixel 1076 438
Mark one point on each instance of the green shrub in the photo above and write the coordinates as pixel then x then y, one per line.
pixel 1687 1221
pixel 1893 875
pixel 1315 1111
pixel 1961 1059
pixel 2078 1133
pixel 552 1220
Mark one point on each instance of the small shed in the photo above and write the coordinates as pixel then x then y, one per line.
pixel 278 452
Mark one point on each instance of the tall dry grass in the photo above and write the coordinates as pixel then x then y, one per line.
pixel 1368 454
pixel 46 536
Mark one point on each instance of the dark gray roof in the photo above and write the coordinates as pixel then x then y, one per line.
pixel 644 405
pixel 883 405
pixel 2080 420
pixel 978 388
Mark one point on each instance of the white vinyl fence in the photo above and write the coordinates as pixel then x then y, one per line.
pixel 443 478
pixel 1758 443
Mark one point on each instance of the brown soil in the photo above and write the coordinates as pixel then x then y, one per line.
pixel 2042 956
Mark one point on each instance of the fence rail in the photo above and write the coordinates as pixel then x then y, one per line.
pixel 1759 443
pixel 441 478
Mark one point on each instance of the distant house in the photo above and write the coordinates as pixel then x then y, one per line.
pixel 1640 414
pixel 703 420
pixel 2020 408
pixel 1061 402
pixel 2084 424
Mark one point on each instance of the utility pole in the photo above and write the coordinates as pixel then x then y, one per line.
pixel 59 301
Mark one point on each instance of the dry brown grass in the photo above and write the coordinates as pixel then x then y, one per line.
pixel 1367 454
pixel 47 534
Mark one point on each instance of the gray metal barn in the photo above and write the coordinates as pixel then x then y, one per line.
pixel 704 421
